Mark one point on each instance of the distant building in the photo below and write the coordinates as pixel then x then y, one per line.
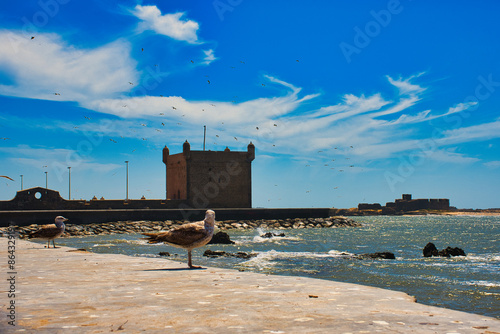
pixel 218 179
pixel 406 203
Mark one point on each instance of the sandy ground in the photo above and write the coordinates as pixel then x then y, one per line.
pixel 67 291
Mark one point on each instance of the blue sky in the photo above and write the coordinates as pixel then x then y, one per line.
pixel 345 101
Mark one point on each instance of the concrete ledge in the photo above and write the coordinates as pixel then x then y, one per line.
pixel 67 291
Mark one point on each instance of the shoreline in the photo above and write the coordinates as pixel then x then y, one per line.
pixel 94 293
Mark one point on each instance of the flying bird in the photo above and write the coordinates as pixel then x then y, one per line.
pixel 50 231
pixel 188 236
pixel 5 176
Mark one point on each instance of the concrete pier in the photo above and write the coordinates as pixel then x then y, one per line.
pixel 64 290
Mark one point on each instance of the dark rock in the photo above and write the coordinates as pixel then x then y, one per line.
pixel 448 252
pixel 221 238
pixel 240 255
pixel 380 255
pixel 164 253
pixel 271 235
pixel 430 250
pixel 211 253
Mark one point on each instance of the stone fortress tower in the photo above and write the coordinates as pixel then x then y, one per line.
pixel 217 179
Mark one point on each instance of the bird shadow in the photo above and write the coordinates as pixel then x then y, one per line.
pixel 174 269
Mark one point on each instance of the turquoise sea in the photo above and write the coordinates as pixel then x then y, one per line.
pixel 470 283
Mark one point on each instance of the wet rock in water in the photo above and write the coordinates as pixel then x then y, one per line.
pixel 431 250
pixel 240 255
pixel 164 253
pixel 271 235
pixel 211 253
pixel 221 238
pixel 379 255
pixel 448 252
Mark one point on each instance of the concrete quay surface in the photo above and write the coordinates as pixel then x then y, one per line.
pixel 64 290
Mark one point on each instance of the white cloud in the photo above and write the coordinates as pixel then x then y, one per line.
pixel 405 86
pixel 170 25
pixel 492 164
pixel 479 132
pixel 453 157
pixel 209 56
pixel 45 67
pixel 54 159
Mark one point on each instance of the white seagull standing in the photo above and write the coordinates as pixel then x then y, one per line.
pixel 187 236
pixel 50 231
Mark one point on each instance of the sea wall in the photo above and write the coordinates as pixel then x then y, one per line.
pixel 121 227
pixel 28 217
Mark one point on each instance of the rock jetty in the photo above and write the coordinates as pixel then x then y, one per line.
pixel 122 227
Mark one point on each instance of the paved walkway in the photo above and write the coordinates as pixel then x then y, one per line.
pixel 67 291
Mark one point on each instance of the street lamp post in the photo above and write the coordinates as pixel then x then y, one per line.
pixel 126 198
pixel 21 182
pixel 69 183
pixel 46 181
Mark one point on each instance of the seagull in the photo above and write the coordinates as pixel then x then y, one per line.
pixel 187 236
pixel 50 231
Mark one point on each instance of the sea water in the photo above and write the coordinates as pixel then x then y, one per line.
pixel 468 283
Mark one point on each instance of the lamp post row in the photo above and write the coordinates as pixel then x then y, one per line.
pixel 69 181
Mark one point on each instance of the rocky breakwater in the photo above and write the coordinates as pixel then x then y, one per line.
pixel 122 227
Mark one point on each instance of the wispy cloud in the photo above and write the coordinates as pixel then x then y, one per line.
pixel 48 68
pixel 170 25
pixel 54 158
pixel 473 133
pixel 492 164
pixel 209 56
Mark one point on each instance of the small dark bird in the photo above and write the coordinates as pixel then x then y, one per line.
pixel 187 236
pixel 208 82
pixel 57 94
pixel 32 37
pixel 174 108
pixel 50 231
